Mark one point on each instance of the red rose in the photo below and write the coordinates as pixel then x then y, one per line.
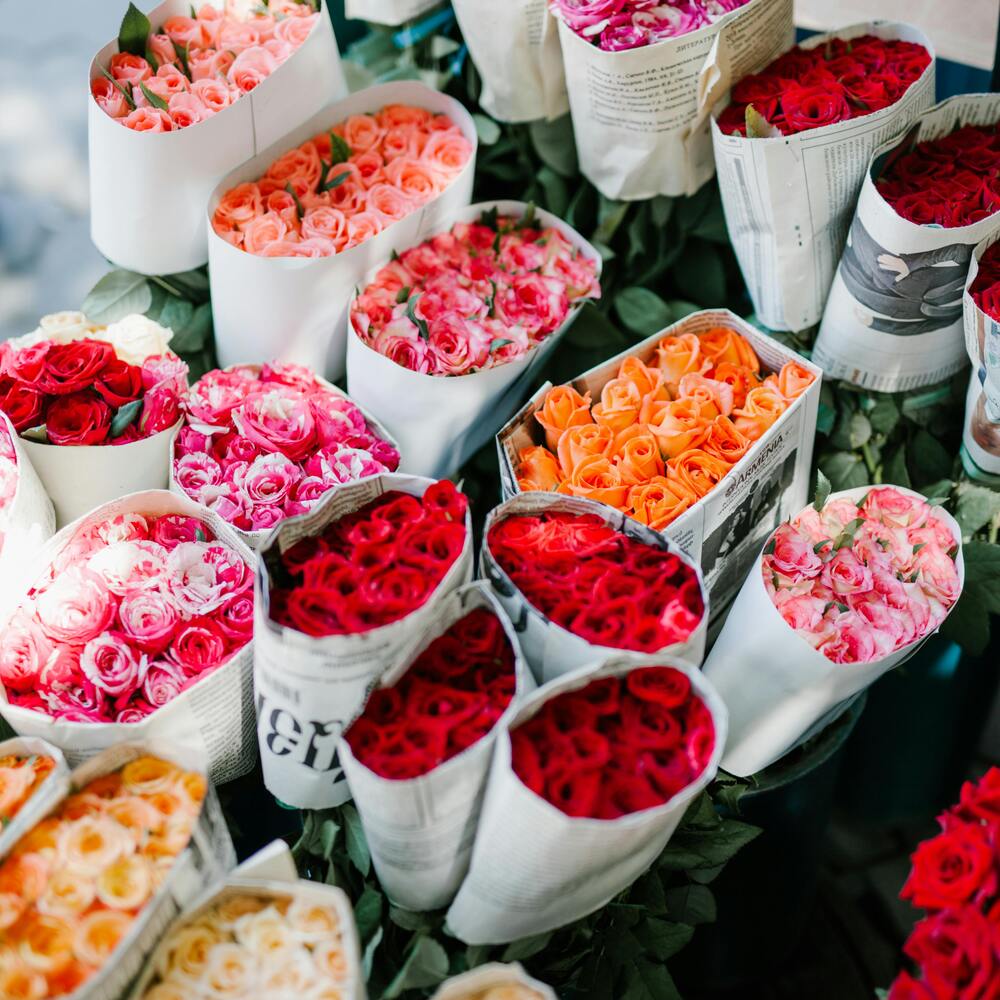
pixel 28 364
pixel 980 801
pixel 161 409
pixel 74 366
pixel 312 611
pixel 814 107
pixel 956 948
pixel 197 647
pixel 661 685
pixel 918 207
pixel 951 868
pixel 119 383
pixel 236 618
pixel 25 406
pixel 82 418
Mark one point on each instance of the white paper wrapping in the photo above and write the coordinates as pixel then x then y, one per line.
pixel 392 12
pixel 213 718
pixel 49 792
pixel 471 984
pixel 440 421
pixel 550 649
pixel 148 190
pixel 788 200
pixel 980 436
pixel 293 309
pixel 639 115
pixel 308 688
pixel 725 530
pixel 893 320
pixel 775 685
pixel 533 867
pixel 982 337
pixel 420 830
pixel 515 47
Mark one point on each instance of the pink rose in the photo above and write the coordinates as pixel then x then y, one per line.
pixel 161 409
pixel 128 566
pixel 187 32
pixel 197 648
pixel 186 110
pixel 250 67
pixel 895 509
pixel 199 476
pixel 793 556
pixel 135 713
pixel 235 36
pixel 109 663
pixel 329 223
pixel 938 574
pixel 81 702
pixel 236 618
pixel 407 353
pixel 147 619
pixel 212 93
pixel 76 607
pixel 164 681
pixel 457 345
pixel 212 399
pixel 269 480
pixel 348 464
pixel 535 301
pixel 363 226
pixel 387 202
pixel 172 529
pixel 122 528
pixel 294 376
pixel 853 642
pixel 194 583
pixel 263 517
pixel 336 418
pixel 932 531
pixel 295 30
pixel 148 120
pixel 892 628
pixel 129 69
pixel 806 614
pixel 837 514
pixel 23 652
pixel 844 574
pixel 190 440
pixel 109 98
pixel 162 49
pixel 278 421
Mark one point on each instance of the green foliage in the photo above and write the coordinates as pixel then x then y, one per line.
pixel 134 31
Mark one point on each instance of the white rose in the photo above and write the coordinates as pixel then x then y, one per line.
pixel 65 326
pixel 136 338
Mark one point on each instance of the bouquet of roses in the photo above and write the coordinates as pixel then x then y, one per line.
pixel 600 766
pixel 583 583
pixel 142 601
pixel 33 776
pixel 263 443
pixel 494 981
pixel 842 593
pixel 838 94
pixel 417 756
pixel 981 310
pixel 341 592
pixel 955 878
pixel 893 320
pixel 296 228
pixel 443 338
pixel 93 405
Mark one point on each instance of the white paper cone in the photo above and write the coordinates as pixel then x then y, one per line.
pixel 639 129
pixel 391 12
pixel 308 688
pixel 442 421
pixel 420 830
pixel 533 867
pixel 894 317
pixel 788 200
pixel 214 717
pixel 51 791
pixel 148 190
pixel 982 337
pixel 471 984
pixel 775 685
pixel 980 436
pixel 293 309
pixel 515 47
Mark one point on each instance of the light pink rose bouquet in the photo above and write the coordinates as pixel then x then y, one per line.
pixel 8 479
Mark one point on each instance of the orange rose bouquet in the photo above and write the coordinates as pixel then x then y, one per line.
pixel 33 775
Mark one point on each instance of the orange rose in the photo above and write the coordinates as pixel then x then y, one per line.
pixel 740 379
pixel 659 501
pixel 681 426
pixel 649 381
pixel 677 356
pixel 361 133
pixel 639 460
pixel 538 469
pixel 714 397
pixel 724 344
pixel 725 442
pixel 792 380
pixel 597 479
pixel 619 406
pixel 98 934
pixel 763 406
pixel 582 441
pixel 563 407
pixel 697 471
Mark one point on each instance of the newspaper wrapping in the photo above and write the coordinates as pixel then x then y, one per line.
pixel 151 217
pixel 255 539
pixel 774 683
pixel 293 308
pixel 725 530
pixel 982 336
pixel 533 867
pixel 471 984
pixel 550 649
pixel 893 320
pixel 206 859
pixel 28 523
pixel 214 717
pixel 515 47
pixel 268 874
pixel 420 830
pixel 640 116
pixel 391 12
pixel 50 791
pixel 788 200
pixel 442 421
pixel 980 437
pixel 308 688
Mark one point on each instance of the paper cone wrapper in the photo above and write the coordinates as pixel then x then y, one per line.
pixel 293 309
pixel 789 200
pixel 442 421
pixel 982 336
pixel 515 47
pixel 52 790
pixel 640 115
pixel 148 191
pixel 894 317
pixel 775 685
pixel 980 436
pixel 307 689
pixel 471 984
pixel 533 867
pixel 213 718
pixel 550 649
pixel 391 12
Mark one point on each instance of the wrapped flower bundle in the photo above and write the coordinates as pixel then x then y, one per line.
pixel 20 777
pixel 264 443
pixel 955 877
pixel 985 287
pixel 494 981
pixel 343 186
pixel 191 68
pixel 8 479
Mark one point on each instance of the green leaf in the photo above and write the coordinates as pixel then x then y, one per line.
pixel 117 295
pixel 368 912
pixel 327 836
pixel 182 53
pixel 894 470
pixel 154 99
pixel 526 947
pixel 123 90
pixel 700 274
pixel 357 843
pixel 125 417
pixel 650 981
pixel 968 625
pixel 299 210
pixel 426 965
pixel 823 489
pixel 692 904
pixel 662 939
pixel 642 311
pixel 409 920
pixel 340 152
pixel 929 460
pixel 368 957
pixel 977 506
pixel 175 314
pixel 758 127
pixel 199 535
pixel 412 316
pixel 402 295
pixel 844 470
pixel 884 415
pixel 705 850
pixel 497 342
pixel 555 145
pixel 336 182
pixel 487 130
pixel 134 31
pixel 196 333
pixel 554 189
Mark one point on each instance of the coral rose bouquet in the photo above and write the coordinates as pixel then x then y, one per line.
pixel 94 406
pixel 295 229
pixel 893 320
pixel 224 80
pixel 260 444
pixel 843 592
pixel 342 592
pixel 831 100
pixel 417 756
pixel 583 583
pixel 494 981
pixel 33 777
pixel 138 626
pixel 445 337
pixel 596 768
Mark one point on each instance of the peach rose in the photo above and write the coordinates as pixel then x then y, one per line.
pixel 201 64
pixel 262 231
pixel 186 110
pixel 403 140
pixel 677 356
pixel 762 408
pixel 98 934
pixel 619 406
pixel 394 115
pixel 581 441
pixel 697 471
pixel 129 69
pixel 148 120
pixel 238 205
pixel 369 166
pixel 649 381
pixel 680 427
pixel 723 344
pixel 725 442
pixel 109 98
pixel 597 479
pixel 740 379
pixel 330 223
pixel 187 32
pixel 169 80
pixel 562 407
pixel 250 67
pixel 659 501
pixel 363 226
pixel 639 460
pixel 362 133
pixel 538 469
pixel 214 94
pixel 295 30
pixel 235 36
pixel 414 179
pixel 792 380
pixel 301 163
pixel 447 152
pixel 713 397
pixel 388 202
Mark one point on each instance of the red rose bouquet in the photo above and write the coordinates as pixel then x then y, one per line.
pixel 956 878
pixel 985 287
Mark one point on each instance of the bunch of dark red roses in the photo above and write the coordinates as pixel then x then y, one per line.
pixel 985 290
pixel 597 583
pixel 373 566
pixel 450 698
pixel 833 82
pixel 951 181
pixel 956 878
pixel 616 746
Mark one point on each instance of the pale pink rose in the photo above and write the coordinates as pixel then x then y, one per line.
pixel 213 94
pixel 23 652
pixel 937 574
pixel 109 663
pixel 329 223
pixel 75 607
pixel 363 226
pixel 806 614
pixel 148 120
pixel 836 514
pixel 457 345
pixel 163 682
pixel 264 24
pixel 212 399
pixel 129 69
pixel 109 98
pixel 295 30
pixel 278 420
pixel 235 37
pixel 895 509
pixel 186 110
pixel 388 202
pixel 793 556
pixel 199 476
pixel 278 49
pixel 844 574
pixel 250 67
pixel 269 480
pixel 193 582
pixel 127 566
pixel 147 619
pixel 316 246
pixel 854 641
pixel 262 232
